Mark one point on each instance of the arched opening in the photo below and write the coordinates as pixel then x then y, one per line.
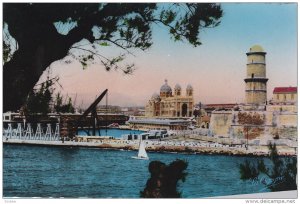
pixel 184 110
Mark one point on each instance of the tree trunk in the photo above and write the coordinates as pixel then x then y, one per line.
pixel 39 45
pixel 27 65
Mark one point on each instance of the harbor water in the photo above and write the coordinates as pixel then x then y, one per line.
pixel 116 133
pixel 38 171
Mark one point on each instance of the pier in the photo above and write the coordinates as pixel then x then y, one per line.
pixel 27 132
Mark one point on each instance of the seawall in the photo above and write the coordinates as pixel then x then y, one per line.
pixel 157 147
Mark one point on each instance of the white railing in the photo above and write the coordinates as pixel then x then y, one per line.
pixel 27 133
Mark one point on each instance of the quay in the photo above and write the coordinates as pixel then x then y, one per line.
pixel 191 147
pixel 194 142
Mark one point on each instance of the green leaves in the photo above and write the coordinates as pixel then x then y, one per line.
pixel 116 60
pixel 186 20
pixel 248 171
pixel 128 26
pixel 6 52
pixel 84 64
pixel 262 167
pixel 168 16
pixel 104 44
pixel 85 60
pixel 59 107
pixel 282 172
pixel 39 100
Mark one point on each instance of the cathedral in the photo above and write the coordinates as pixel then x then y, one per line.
pixel 169 105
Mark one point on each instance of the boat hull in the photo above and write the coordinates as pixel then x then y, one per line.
pixel 141 158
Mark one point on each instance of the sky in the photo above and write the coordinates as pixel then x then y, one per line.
pixel 216 69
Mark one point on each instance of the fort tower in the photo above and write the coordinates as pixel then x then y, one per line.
pixel 256 81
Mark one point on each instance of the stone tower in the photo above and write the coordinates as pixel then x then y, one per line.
pixel 189 90
pixel 256 81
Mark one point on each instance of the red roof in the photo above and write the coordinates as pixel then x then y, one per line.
pixel 285 90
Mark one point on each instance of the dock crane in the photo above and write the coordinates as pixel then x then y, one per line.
pixel 94 117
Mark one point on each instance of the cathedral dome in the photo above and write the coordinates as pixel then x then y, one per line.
pixel 189 87
pixel 177 87
pixel 155 96
pixel 256 48
pixel 165 88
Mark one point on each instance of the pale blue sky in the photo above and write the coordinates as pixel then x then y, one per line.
pixel 215 69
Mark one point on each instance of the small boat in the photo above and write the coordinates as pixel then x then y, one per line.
pixel 142 154
pixel 113 125
pixel 124 127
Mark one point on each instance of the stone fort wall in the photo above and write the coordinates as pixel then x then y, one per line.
pixel 264 124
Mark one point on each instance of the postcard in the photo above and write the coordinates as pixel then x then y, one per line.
pixel 150 100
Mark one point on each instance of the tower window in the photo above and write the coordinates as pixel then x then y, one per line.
pixel 252 75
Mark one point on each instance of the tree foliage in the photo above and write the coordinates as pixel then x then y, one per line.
pixel 282 174
pixel 7 52
pixel 39 100
pixel 164 179
pixel 47 32
pixel 61 107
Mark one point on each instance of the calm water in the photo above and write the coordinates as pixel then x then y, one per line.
pixel 117 133
pixel 33 171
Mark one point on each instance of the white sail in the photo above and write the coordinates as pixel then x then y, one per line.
pixel 142 154
pixel 142 151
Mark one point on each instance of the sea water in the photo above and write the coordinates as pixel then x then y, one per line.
pixel 116 133
pixel 38 171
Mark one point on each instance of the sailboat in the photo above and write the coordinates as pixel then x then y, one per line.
pixel 142 154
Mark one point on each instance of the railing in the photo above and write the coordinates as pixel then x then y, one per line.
pixel 27 132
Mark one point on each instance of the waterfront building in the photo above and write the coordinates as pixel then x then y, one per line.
pixel 159 124
pixel 208 108
pixel 135 111
pixel 284 95
pixel 284 101
pixel 108 109
pixel 11 116
pixel 96 139
pixel 169 105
